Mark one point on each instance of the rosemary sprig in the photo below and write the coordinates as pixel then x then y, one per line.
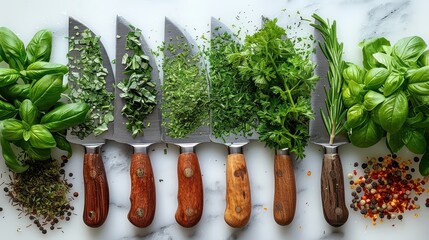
pixel 333 52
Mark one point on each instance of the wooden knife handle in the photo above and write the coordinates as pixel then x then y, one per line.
pixel 190 190
pixel 284 190
pixel 143 194
pixel 332 183
pixel 238 198
pixel 96 205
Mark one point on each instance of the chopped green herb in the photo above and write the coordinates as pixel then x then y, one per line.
pixel 88 76
pixel 185 91
pixel 138 90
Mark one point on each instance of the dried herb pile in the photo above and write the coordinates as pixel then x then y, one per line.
pixel 42 193
pixel 138 90
pixel 281 69
pixel 232 105
pixel 184 91
pixel 88 77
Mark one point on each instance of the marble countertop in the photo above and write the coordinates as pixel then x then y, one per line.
pixel 356 20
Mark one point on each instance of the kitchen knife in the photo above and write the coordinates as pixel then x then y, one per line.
pixel 143 194
pixel 284 204
pixel 238 195
pixel 96 200
pixel 190 185
pixel 332 179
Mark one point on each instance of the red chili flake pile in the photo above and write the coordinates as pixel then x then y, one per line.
pixel 387 188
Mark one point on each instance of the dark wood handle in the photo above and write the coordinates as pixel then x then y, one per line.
pixel 190 190
pixel 96 205
pixel 238 198
pixel 333 199
pixel 284 190
pixel 143 194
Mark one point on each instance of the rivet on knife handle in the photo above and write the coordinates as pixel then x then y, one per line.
pixel 332 188
pixel 284 188
pixel 96 205
pixel 143 195
pixel 238 198
pixel 190 190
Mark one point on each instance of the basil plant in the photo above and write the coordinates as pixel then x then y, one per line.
pixel 389 96
pixel 32 118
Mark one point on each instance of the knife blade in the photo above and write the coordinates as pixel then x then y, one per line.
pixel 143 193
pixel 332 177
pixel 238 193
pixel 190 187
pixel 96 189
pixel 284 203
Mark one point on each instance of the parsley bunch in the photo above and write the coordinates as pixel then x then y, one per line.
pixel 283 73
pixel 231 96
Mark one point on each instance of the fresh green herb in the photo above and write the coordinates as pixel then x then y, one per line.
pixel 281 69
pixel 232 97
pixel 30 91
pixel 184 91
pixel 42 193
pixel 88 77
pixel 138 90
pixel 333 51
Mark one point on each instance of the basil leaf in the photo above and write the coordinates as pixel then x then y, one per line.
pixel 372 99
pixel 63 144
pixel 7 110
pixel 418 80
pixel 12 49
pixel 10 158
pixel 355 88
pixel 424 164
pixel 409 48
pixel 393 82
pixel 393 112
pixel 349 99
pixel 8 76
pixel 47 91
pixel 424 59
pixel 40 137
pixel 383 59
pixel 12 129
pixel 369 47
pixel 418 118
pixel 38 154
pixel 39 69
pixel 39 47
pixel 65 116
pixel 28 112
pixel 356 116
pixel 375 114
pixel 15 92
pixel 375 78
pixel 366 135
pixel 414 140
pixel 353 72
pixel 394 141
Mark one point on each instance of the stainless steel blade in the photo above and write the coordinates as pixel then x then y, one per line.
pixel 75 29
pixel 175 36
pixel 318 132
pixel 152 134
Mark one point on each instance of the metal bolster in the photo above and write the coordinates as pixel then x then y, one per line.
pixel 187 149
pixel 140 148
pixel 235 150
pixel 283 151
pixel 330 149
pixel 93 148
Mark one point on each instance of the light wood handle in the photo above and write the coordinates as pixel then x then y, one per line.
pixel 238 199
pixel 284 190
pixel 190 190
pixel 96 205
pixel 143 194
pixel 332 188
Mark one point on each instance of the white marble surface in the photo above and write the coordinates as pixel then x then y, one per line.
pixel 357 19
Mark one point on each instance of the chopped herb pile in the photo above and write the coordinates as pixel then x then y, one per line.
pixel 232 97
pixel 88 78
pixel 184 91
pixel 281 69
pixel 138 90
pixel 387 188
pixel 42 193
